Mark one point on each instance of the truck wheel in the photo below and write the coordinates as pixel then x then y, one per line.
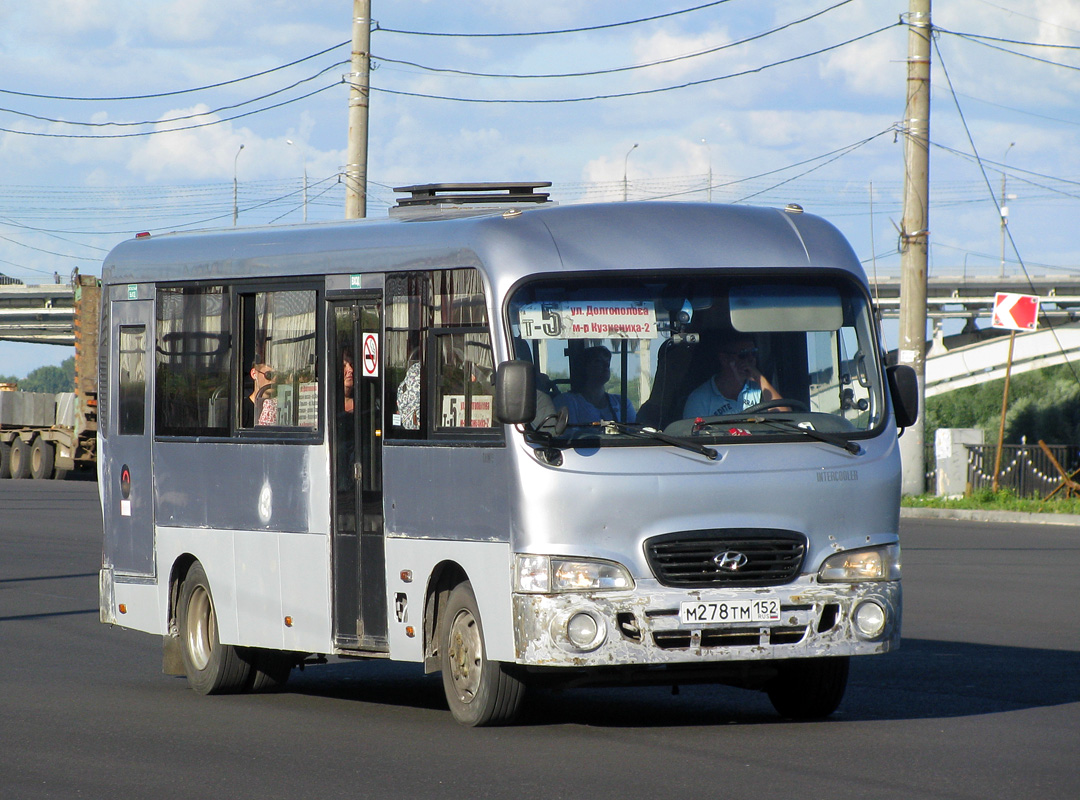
pixel 211 667
pixel 479 692
pixel 42 456
pixel 5 460
pixel 20 459
pixel 809 688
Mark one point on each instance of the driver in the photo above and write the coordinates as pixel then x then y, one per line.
pixel 737 385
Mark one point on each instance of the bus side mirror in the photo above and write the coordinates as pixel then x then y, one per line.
pixel 515 392
pixel 904 389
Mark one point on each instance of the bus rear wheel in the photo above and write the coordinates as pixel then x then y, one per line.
pixel 479 692
pixel 211 667
pixel 809 688
pixel 20 459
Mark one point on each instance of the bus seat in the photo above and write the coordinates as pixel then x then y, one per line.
pixel 672 385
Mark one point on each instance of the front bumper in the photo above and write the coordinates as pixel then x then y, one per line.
pixel 642 627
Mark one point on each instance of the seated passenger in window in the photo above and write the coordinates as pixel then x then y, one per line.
pixel 587 401
pixel 408 398
pixel 266 410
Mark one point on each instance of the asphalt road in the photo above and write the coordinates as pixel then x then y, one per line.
pixel 982 701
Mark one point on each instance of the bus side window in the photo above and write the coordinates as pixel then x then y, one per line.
pixel 408 314
pixel 193 351
pixel 277 372
pixel 463 383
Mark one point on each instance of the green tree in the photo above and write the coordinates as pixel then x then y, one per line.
pixel 1043 404
pixel 51 379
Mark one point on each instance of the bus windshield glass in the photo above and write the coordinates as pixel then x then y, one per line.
pixel 714 357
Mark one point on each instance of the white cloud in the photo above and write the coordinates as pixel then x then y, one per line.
pixel 871 67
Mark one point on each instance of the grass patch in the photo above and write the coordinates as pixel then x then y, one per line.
pixel 1001 500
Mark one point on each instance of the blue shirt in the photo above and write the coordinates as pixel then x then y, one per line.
pixel 707 401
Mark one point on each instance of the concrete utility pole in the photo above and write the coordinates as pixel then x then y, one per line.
pixel 356 168
pixel 914 234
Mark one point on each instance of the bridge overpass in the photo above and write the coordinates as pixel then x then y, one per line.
pixel 42 314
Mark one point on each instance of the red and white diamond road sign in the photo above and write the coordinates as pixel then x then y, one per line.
pixel 1015 312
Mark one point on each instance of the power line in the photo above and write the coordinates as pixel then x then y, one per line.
pixel 997 205
pixel 170 130
pixel 378 27
pixel 974 40
pixel 180 118
pixel 639 93
pixel 612 70
pixel 178 91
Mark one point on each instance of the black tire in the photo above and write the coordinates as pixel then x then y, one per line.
pixel 5 460
pixel 20 459
pixel 42 458
pixel 809 688
pixel 211 667
pixel 479 692
pixel 270 669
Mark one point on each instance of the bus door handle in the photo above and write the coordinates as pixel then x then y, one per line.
pixel 357 471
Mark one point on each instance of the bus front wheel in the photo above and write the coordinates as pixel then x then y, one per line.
pixel 809 688
pixel 479 691
pixel 211 667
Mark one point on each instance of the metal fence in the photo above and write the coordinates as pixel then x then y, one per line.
pixel 1025 468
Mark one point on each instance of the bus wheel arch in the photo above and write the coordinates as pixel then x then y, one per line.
pixel 444 577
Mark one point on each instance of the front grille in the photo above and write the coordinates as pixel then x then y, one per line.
pixel 693 559
pixel 726 637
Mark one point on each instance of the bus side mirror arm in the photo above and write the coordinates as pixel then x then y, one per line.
pixel 515 392
pixel 904 390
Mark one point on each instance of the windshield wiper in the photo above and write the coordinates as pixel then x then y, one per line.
pixel 835 439
pixel 644 432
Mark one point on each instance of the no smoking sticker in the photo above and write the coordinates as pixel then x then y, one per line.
pixel 369 362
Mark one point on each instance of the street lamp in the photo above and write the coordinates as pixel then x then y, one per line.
pixel 624 163
pixel 709 190
pixel 234 209
pixel 1004 208
pixel 304 158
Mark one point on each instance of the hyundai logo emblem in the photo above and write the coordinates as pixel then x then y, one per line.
pixel 730 561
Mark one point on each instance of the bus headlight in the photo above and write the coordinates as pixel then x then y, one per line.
pixel 547 575
pixel 856 566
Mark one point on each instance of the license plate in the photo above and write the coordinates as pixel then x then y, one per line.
pixel 712 612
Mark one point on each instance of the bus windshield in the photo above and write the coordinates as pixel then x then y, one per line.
pixel 716 357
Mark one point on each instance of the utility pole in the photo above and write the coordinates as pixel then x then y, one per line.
pixel 356 168
pixel 914 234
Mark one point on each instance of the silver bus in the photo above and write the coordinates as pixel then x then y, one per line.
pixel 516 442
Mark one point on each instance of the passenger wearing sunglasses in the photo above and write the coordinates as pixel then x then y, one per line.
pixel 262 396
pixel 736 386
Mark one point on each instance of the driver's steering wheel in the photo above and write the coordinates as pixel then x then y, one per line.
pixel 778 402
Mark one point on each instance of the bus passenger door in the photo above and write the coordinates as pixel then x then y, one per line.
pixel 360 614
pixel 125 454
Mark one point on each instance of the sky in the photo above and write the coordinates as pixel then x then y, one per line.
pixel 122 116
